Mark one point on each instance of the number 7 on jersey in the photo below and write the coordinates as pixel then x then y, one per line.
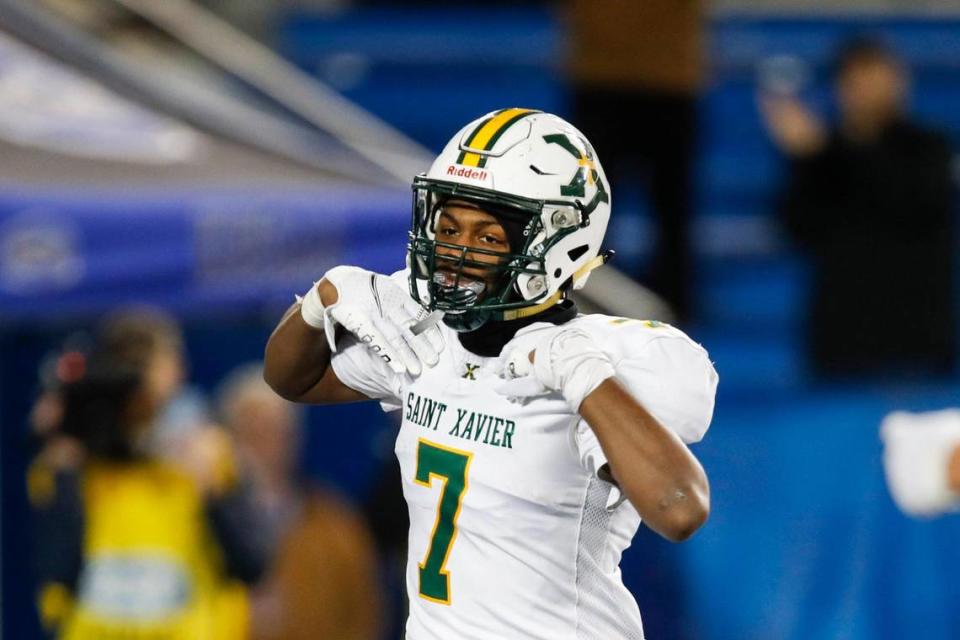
pixel 451 467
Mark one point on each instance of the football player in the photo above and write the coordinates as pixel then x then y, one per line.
pixel 534 439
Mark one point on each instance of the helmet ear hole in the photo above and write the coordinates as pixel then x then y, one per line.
pixel 576 252
pixel 557 272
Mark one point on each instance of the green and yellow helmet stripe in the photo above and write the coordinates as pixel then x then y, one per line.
pixel 488 132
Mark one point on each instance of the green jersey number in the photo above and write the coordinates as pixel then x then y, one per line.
pixel 449 466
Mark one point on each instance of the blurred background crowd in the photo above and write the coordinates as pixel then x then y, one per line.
pixel 784 184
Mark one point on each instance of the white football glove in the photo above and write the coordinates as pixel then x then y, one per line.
pixel 566 360
pixel 917 450
pixel 381 314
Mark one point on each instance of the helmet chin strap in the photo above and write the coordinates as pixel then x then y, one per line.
pixel 526 312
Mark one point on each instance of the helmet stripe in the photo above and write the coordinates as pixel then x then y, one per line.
pixel 487 134
pixel 493 140
pixel 474 135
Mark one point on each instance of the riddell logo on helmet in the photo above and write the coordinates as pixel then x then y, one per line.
pixel 466 172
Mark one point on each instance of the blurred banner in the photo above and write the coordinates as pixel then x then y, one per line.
pixel 66 253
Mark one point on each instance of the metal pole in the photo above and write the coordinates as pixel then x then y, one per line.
pixel 249 60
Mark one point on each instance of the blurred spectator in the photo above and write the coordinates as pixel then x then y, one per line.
pixel 637 70
pixel 56 449
pixel 322 583
pixel 129 544
pixel 152 340
pixel 870 200
pixel 922 460
pixel 385 511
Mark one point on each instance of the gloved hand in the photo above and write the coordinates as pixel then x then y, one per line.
pixel 917 451
pixel 564 360
pixel 381 314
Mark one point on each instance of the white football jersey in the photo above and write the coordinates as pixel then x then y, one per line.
pixel 512 532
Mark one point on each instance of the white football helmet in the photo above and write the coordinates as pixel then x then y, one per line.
pixel 529 167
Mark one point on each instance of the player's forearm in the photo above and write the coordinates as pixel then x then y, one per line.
pixel 656 471
pixel 297 355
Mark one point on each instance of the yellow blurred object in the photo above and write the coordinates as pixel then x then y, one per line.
pixel 151 568
pixel 55 605
pixel 41 485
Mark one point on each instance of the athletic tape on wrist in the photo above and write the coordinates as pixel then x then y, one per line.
pixel 311 308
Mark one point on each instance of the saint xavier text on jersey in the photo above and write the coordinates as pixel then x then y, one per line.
pixel 468 425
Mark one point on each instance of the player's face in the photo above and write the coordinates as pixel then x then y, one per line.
pixel 466 225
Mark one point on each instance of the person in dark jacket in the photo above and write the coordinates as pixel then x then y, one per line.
pixel 636 71
pixel 870 201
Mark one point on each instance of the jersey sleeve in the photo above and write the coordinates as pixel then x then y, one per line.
pixel 360 370
pixel 673 378
pixel 591 455
pixel 667 373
